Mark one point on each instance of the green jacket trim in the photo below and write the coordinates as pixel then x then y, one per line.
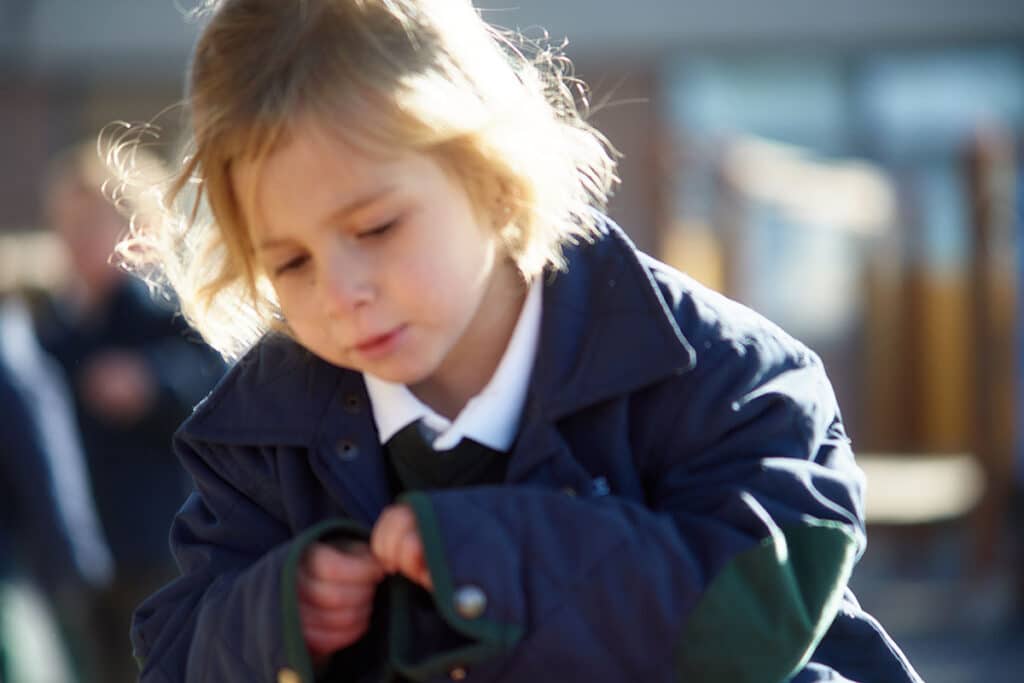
pixel 766 611
pixel 490 638
pixel 295 645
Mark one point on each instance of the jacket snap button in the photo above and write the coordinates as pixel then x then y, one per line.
pixel 352 404
pixel 470 602
pixel 347 449
pixel 459 673
pixel 288 676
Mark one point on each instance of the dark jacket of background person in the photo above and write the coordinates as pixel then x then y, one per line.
pixel 137 483
pixel 50 537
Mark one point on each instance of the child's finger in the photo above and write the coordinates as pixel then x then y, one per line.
pixel 323 642
pixel 355 565
pixel 382 540
pixel 333 594
pixel 336 619
pixel 394 522
pixel 410 560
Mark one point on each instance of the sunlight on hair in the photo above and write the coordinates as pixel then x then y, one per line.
pixel 503 113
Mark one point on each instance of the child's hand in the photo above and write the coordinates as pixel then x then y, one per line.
pixel 336 589
pixel 397 546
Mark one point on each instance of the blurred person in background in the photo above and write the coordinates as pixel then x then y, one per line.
pixel 50 538
pixel 135 371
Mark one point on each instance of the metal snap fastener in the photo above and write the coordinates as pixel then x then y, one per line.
pixel 347 449
pixel 352 404
pixel 459 673
pixel 288 676
pixel 470 601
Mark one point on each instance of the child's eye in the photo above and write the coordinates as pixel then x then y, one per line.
pixel 378 230
pixel 291 265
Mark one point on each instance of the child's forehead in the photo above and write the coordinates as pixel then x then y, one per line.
pixel 312 146
pixel 327 136
pixel 311 173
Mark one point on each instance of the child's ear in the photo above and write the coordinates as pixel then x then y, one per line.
pixel 503 203
pixel 501 213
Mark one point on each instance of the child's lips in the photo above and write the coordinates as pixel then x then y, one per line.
pixel 380 344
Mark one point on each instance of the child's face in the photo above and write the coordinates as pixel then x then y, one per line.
pixel 380 265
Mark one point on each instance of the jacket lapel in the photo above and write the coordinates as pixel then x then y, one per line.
pixel 348 453
pixel 606 331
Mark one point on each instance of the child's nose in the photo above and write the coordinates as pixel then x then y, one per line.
pixel 345 285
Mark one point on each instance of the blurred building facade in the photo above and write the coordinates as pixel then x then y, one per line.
pixel 68 67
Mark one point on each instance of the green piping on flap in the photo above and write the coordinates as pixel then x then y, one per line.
pixel 492 638
pixel 764 614
pixel 294 643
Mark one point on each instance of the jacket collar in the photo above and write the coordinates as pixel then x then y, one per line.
pixel 606 330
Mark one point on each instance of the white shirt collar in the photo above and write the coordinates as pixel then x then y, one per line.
pixel 492 416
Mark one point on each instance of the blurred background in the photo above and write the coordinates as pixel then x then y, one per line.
pixel 851 170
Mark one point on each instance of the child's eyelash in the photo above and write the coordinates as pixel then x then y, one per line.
pixel 291 264
pixel 378 230
pixel 299 261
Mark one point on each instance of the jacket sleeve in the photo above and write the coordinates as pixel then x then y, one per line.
pixel 232 615
pixel 731 569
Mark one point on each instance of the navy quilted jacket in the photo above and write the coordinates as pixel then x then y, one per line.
pixel 681 504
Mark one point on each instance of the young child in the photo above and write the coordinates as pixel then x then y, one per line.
pixel 473 433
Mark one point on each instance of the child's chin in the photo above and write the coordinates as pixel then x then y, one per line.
pixel 399 373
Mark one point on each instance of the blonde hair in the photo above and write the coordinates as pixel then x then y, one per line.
pixel 425 75
pixel 82 166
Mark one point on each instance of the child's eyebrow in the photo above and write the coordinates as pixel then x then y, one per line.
pixel 336 216
pixel 339 214
pixel 270 244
